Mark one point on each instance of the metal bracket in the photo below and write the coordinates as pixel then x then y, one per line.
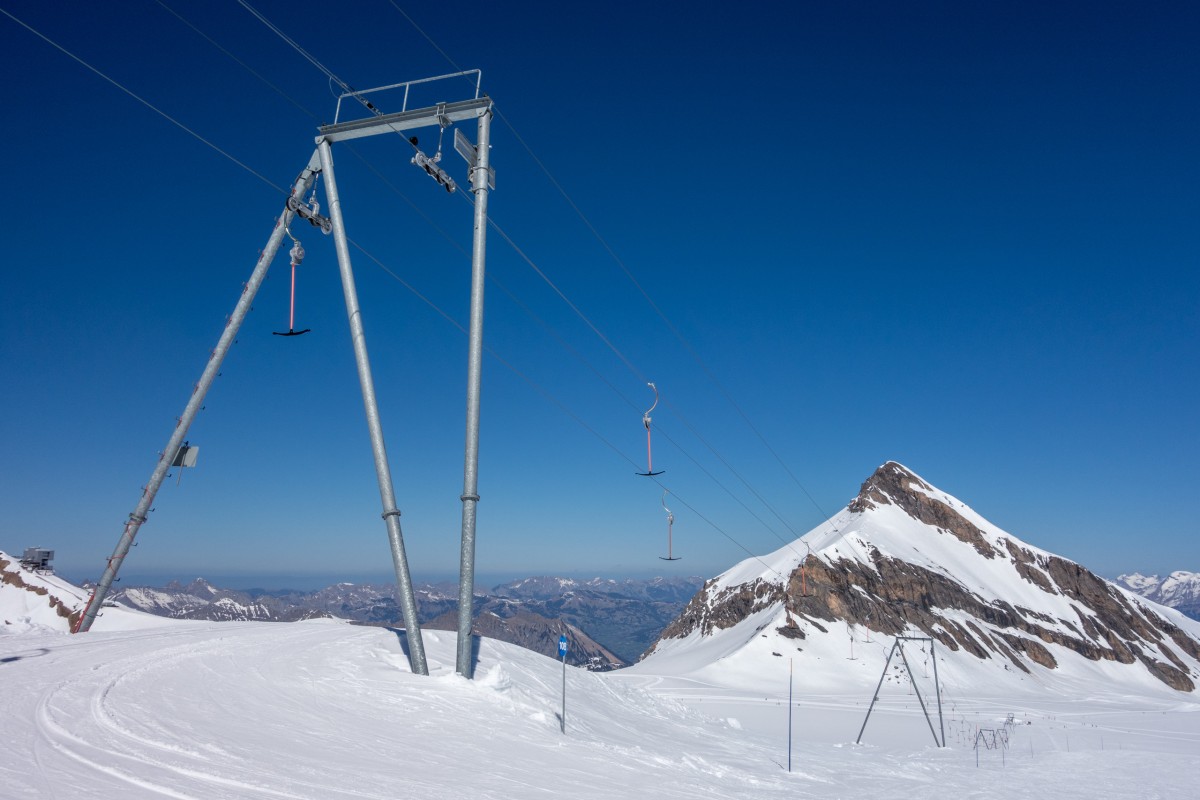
pixel 442 120
pixel 307 213
pixel 434 171
pixel 470 154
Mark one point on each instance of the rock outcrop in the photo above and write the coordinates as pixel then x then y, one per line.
pixel 15 579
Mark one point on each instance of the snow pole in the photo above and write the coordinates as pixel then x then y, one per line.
pixel 562 651
pixel 916 690
pixel 875 696
pixel 790 715
pixel 937 689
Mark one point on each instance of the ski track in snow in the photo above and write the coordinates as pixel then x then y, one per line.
pixel 331 711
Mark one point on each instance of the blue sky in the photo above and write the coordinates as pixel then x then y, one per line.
pixel 959 236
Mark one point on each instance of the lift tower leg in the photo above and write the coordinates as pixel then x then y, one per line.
pixel 387 494
pixel 138 516
pixel 470 497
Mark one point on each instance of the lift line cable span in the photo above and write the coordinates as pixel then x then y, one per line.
pixel 570 201
pixel 144 102
pixel 551 398
pixel 470 199
pixel 496 227
pixel 629 274
pixel 239 61
pixel 351 91
pixel 317 118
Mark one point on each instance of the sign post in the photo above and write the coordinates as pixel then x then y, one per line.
pixel 562 651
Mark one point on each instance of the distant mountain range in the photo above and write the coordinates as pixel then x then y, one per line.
pixel 1179 590
pixel 608 623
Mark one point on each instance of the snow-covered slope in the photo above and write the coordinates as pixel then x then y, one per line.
pixel 34 600
pixel 905 558
pixel 1179 590
pixel 323 710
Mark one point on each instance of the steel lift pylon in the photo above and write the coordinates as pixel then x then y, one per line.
pixel 321 163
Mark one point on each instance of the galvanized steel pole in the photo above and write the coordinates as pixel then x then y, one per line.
pixel 789 715
pixel 391 515
pixel 138 516
pixel 937 688
pixel 917 690
pixel 875 697
pixel 470 498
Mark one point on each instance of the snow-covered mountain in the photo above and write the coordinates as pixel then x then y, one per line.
pixel 201 600
pixel 1179 590
pixel 38 601
pixel 905 558
pixel 35 599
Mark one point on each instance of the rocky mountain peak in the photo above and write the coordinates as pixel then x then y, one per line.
pixel 891 480
pixel 894 484
pixel 891 566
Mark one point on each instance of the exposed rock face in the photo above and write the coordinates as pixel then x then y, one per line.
pixel 14 579
pixel 894 484
pixel 893 596
pixel 727 608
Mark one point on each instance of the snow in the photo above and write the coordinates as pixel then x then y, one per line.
pixel 149 707
pixel 327 710
pixel 22 610
pixel 1177 588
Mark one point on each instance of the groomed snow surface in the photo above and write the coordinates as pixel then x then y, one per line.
pixel 328 710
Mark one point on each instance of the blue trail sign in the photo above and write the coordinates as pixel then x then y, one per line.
pixel 562 651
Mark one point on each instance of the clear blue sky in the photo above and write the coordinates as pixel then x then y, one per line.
pixel 962 236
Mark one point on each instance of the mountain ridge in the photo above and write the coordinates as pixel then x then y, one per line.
pixel 608 622
pixel 1179 590
pixel 905 558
